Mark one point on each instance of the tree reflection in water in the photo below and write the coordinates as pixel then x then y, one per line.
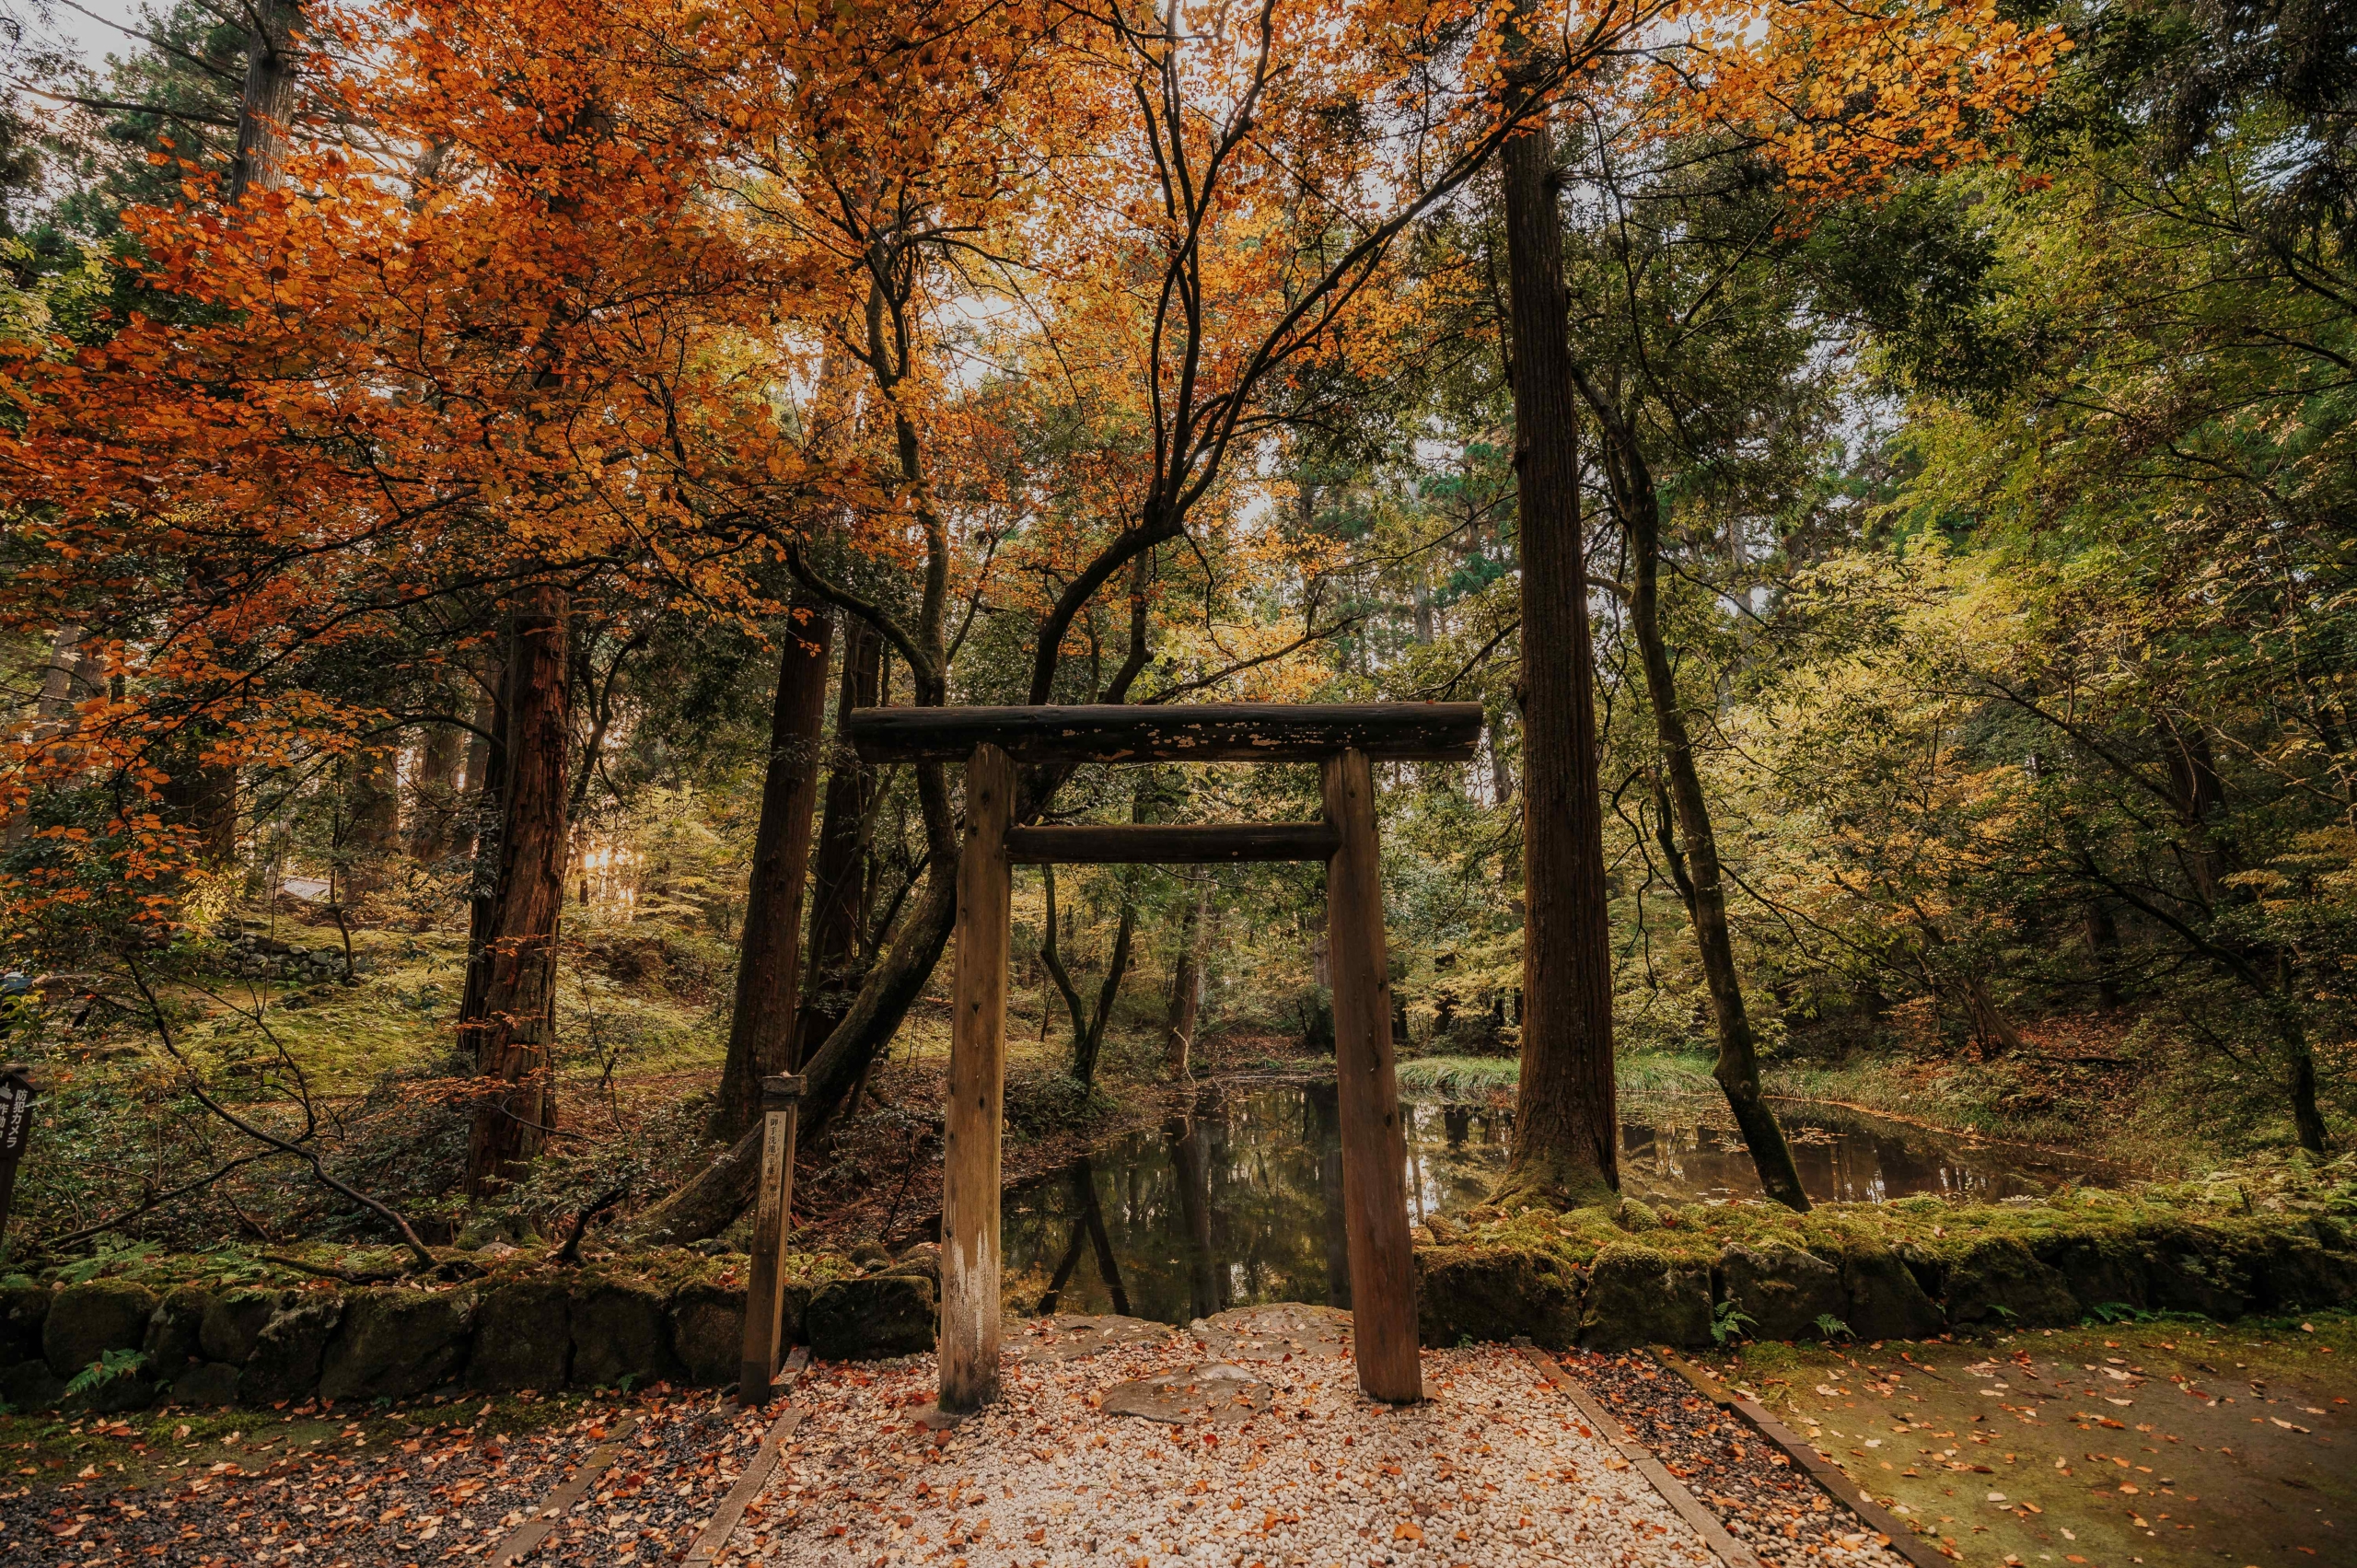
pixel 1239 1201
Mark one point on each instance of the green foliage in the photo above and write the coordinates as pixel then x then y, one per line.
pixel 1465 1079
pixel 1729 1322
pixel 1042 1102
pixel 110 1366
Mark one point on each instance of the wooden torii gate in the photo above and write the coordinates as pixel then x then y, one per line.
pixel 1345 739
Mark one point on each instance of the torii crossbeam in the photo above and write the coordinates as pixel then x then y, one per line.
pixel 1345 739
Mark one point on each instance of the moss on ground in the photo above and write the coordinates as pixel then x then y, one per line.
pixel 148 1447
pixel 667 1270
pixel 2242 1203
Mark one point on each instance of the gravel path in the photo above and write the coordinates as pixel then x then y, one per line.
pixel 1768 1502
pixel 1268 1459
pixel 440 1493
pixel 660 1492
pixel 1495 1473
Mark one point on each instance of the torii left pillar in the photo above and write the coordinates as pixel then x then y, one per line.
pixel 971 1308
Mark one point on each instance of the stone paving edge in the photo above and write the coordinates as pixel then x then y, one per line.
pixel 1904 1539
pixel 1724 1547
pixel 723 1523
pixel 535 1529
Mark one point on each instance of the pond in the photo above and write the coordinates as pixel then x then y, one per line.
pixel 1240 1202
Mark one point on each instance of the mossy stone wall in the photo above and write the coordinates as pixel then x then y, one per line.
pixel 546 1331
pixel 1843 1273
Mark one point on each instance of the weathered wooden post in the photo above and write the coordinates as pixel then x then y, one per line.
pixel 772 1224
pixel 16 1130
pixel 970 1308
pixel 1374 1145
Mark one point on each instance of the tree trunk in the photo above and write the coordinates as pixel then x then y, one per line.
pixel 1187 980
pixel 1087 1028
pixel 1696 871
pixel 839 881
pixel 435 795
pixel 484 740
pixel 2307 1120
pixel 708 1204
pixel 266 108
pixel 1989 1020
pixel 376 800
pixel 1566 1122
pixel 1086 1049
pixel 511 1027
pixel 2200 793
pixel 1052 960
pixel 769 961
pixel 487 789
pixel 52 712
pixel 2102 949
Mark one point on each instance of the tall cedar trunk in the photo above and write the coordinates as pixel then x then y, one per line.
pixel 434 796
pixel 769 961
pixel 2103 948
pixel 511 1029
pixel 1187 978
pixel 487 786
pixel 1565 1120
pixel 839 879
pixel 266 108
pixel 1698 879
pixel 376 800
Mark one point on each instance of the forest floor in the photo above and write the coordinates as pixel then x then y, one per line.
pixel 2177 1445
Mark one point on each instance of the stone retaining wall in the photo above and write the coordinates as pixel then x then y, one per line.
pixel 1632 1293
pixel 592 1329
pixel 578 1329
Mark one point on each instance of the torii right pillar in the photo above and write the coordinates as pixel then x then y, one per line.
pixel 1375 1144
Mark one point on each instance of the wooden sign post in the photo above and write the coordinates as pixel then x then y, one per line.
pixel 1345 739
pixel 772 1224
pixel 17 1095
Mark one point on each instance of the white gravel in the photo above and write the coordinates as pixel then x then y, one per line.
pixel 1495 1473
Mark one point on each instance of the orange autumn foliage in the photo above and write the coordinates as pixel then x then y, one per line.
pixel 558 308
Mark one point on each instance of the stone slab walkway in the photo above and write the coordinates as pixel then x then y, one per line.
pixel 1252 1445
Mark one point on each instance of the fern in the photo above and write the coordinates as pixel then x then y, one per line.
pixel 1833 1328
pixel 1729 1321
pixel 114 1364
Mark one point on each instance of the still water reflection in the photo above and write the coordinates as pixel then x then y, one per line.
pixel 1240 1202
